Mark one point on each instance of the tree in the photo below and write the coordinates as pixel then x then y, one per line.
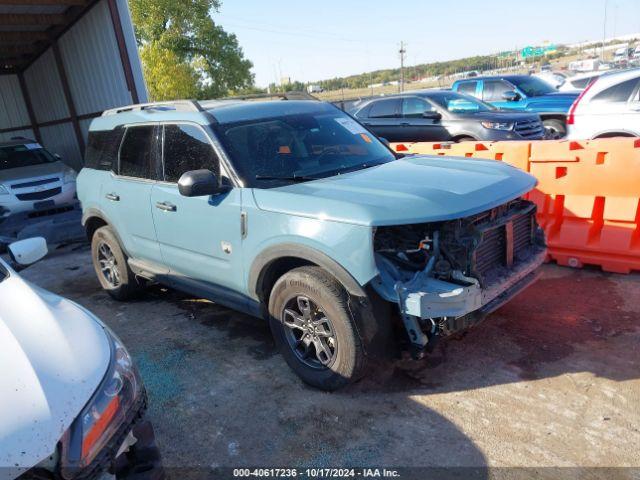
pixel 203 50
pixel 167 77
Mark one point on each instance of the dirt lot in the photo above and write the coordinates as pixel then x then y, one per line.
pixel 550 380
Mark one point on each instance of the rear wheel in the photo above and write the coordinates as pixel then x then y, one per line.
pixel 315 329
pixel 465 139
pixel 110 264
pixel 554 129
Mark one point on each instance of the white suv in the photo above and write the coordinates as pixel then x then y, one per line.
pixel 608 107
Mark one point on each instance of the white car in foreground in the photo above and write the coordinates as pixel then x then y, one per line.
pixel 608 107
pixel 71 400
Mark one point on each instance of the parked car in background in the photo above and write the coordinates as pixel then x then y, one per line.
pixel 579 82
pixel 34 184
pixel 293 212
pixel 555 79
pixel 608 107
pixel 71 400
pixel 523 93
pixel 443 115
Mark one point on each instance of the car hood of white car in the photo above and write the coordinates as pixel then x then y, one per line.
pixel 53 356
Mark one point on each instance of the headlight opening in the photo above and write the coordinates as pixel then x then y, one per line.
pixel 104 415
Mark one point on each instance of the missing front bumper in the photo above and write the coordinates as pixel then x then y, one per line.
pixel 433 298
pixel 432 308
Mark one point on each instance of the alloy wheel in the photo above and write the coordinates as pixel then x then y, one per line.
pixel 108 265
pixel 309 332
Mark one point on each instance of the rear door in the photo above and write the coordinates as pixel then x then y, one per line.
pixel 470 87
pixel 200 237
pixel 420 121
pixel 127 193
pixel 383 118
pixel 616 108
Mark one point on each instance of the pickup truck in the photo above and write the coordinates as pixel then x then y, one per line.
pixel 523 93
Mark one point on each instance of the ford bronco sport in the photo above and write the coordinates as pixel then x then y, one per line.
pixel 294 212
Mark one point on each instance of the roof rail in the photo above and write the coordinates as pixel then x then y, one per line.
pixel 181 105
pixel 295 95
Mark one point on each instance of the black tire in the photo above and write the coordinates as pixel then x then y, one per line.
pixel 465 139
pixel 554 129
pixel 348 360
pixel 122 284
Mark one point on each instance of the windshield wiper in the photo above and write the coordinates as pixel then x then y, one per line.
pixel 290 178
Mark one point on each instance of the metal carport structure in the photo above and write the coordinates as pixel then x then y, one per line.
pixel 62 62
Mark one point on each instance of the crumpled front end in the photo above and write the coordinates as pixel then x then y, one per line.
pixel 447 276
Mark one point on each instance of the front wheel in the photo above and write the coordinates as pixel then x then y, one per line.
pixel 554 129
pixel 315 330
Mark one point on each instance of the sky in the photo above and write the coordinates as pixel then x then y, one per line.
pixel 311 40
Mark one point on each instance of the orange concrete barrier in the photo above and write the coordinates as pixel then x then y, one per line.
pixel 588 194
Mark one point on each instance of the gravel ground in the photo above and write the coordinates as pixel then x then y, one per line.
pixel 550 380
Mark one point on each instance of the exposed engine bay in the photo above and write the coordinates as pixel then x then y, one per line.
pixel 446 276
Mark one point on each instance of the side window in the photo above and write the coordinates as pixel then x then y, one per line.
pixel 467 87
pixel 387 108
pixel 137 152
pixel 102 149
pixel 414 107
pixel 494 89
pixel 186 148
pixel 618 93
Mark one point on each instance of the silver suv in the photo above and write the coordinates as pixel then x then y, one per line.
pixel 33 183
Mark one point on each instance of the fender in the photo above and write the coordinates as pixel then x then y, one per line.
pixel 270 254
pixel 94 212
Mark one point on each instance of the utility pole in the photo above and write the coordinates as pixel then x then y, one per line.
pixel 604 29
pixel 402 52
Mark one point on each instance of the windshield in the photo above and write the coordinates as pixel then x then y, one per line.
pixel 3 272
pixel 458 103
pixel 270 152
pixel 23 155
pixel 532 86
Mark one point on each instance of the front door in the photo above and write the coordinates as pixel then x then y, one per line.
pixel 200 237
pixel 493 92
pixel 421 122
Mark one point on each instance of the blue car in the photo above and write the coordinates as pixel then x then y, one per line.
pixel 523 93
pixel 294 212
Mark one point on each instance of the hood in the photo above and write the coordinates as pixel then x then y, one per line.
pixel 53 356
pixel 415 189
pixel 555 100
pixel 561 95
pixel 32 171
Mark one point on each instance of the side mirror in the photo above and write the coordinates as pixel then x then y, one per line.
pixel 57 156
pixel 511 96
pixel 27 252
pixel 200 183
pixel 431 115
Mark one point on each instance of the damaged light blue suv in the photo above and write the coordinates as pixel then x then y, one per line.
pixel 294 212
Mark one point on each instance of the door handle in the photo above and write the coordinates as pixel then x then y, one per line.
pixel 166 206
pixel 113 197
pixel 405 124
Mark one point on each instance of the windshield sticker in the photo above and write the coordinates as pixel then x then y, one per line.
pixel 365 137
pixel 351 125
pixel 33 146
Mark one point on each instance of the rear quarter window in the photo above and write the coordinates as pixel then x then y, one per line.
pixel 102 149
pixel 618 93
